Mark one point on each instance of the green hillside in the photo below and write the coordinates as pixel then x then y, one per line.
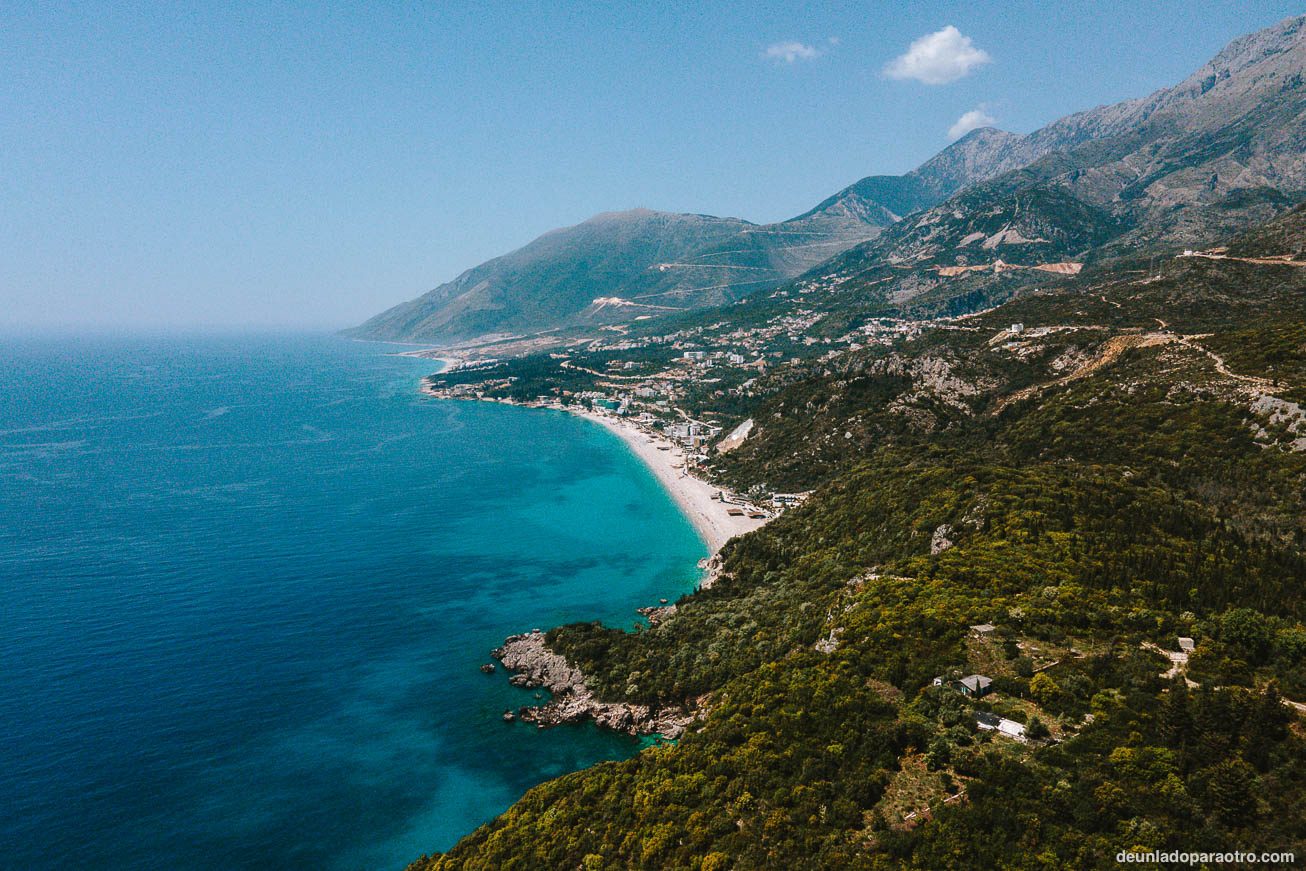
pixel 1045 599
pixel 1097 486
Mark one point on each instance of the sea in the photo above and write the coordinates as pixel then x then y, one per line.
pixel 247 582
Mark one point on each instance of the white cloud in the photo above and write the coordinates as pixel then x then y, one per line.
pixel 788 52
pixel 972 120
pixel 938 58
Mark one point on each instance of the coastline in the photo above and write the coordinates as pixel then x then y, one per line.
pixel 528 657
pixel 696 498
pixel 448 361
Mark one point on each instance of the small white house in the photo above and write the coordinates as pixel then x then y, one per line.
pixel 1001 725
pixel 1012 729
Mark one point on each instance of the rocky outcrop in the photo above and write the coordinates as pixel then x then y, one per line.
pixel 941 540
pixel 535 665
pixel 658 615
pixel 712 569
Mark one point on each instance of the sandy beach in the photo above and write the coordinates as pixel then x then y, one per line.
pixel 696 498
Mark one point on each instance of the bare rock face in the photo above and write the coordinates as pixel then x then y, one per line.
pixel 941 540
pixel 713 571
pixel 528 657
pixel 573 701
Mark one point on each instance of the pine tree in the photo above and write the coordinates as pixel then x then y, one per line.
pixel 1230 793
pixel 1265 727
pixel 1214 723
pixel 1176 718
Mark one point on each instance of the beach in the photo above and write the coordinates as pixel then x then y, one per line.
pixel 697 498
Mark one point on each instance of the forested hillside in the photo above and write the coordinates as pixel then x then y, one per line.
pixel 1044 599
pixel 1125 470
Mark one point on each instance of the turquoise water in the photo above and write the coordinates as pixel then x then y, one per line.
pixel 246 583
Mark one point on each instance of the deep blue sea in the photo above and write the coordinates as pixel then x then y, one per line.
pixel 246 582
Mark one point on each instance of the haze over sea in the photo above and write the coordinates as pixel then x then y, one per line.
pixel 246 582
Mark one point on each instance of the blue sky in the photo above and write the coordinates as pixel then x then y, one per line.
pixel 299 164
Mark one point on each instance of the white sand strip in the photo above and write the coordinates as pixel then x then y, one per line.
pixel 696 498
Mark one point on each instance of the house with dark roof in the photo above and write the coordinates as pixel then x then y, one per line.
pixel 975 685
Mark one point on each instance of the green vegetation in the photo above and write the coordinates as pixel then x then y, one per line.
pixel 1097 485
pixel 824 760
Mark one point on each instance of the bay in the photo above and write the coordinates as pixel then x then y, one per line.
pixel 246 583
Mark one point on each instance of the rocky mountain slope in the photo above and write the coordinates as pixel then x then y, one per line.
pixel 1184 166
pixel 1224 149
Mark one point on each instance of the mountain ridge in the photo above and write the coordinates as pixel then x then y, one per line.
pixel 1182 166
pixel 464 309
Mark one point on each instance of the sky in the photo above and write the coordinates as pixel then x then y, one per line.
pixel 308 165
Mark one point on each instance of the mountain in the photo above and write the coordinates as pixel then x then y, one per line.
pixel 1221 150
pixel 978 156
pixel 622 265
pixel 553 277
pixel 1180 168
pixel 618 265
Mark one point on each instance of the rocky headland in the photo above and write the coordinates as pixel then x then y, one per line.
pixel 535 665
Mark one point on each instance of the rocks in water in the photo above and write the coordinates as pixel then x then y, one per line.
pixel 573 701
pixel 662 601
pixel 509 716
pixel 659 614
pixel 535 665
pixel 713 567
pixel 488 668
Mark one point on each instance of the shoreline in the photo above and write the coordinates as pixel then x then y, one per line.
pixel 697 499
pixel 448 361
pixel 528 657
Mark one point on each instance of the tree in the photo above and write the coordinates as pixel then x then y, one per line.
pixel 1230 794
pixel 1176 719
pixel 1044 689
pixel 1248 631
pixel 1266 726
